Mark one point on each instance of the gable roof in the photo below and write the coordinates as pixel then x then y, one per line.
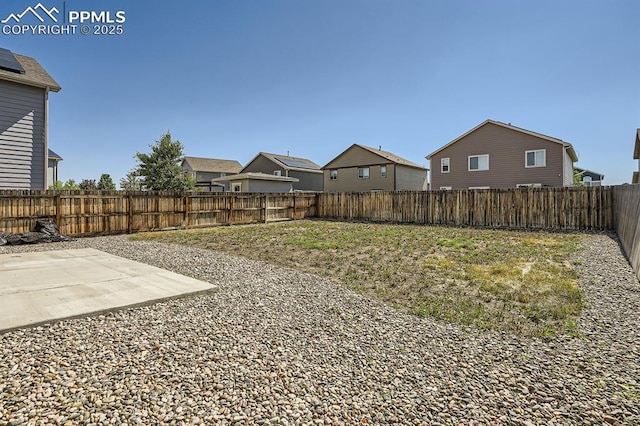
pixel 636 150
pixel 53 156
pixel 290 163
pixel 34 74
pixel 385 155
pixel 583 171
pixel 201 164
pixel 570 150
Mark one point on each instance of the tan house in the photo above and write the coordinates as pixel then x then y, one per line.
pixel 203 170
pixel 307 173
pixel 24 104
pixel 360 168
pixel 499 155
pixel 636 156
pixel 257 182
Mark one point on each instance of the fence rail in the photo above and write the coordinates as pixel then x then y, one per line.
pixel 86 213
pixel 530 208
pixel 627 222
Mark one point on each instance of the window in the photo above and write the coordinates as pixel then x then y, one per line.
pixel 277 173
pixel 479 187
pixel 445 188
pixel 223 174
pixel 587 180
pixel 363 173
pixel 383 171
pixel 478 162
pixel 236 187
pixel 529 185
pixel 333 175
pixel 537 158
pixel 444 165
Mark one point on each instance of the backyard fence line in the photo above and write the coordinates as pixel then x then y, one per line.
pixel 88 213
pixel 583 208
pixel 627 222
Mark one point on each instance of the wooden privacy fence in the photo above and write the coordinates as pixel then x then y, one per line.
pixel 532 208
pixel 627 222
pixel 85 213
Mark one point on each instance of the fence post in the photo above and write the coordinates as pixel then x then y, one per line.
pixel 266 204
pixel 129 213
pixel 58 215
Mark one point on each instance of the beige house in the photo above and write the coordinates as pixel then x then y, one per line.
pixel 636 156
pixel 360 168
pixel 24 110
pixel 307 173
pixel 499 155
pixel 203 170
pixel 257 182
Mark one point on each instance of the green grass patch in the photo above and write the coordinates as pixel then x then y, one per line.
pixel 522 282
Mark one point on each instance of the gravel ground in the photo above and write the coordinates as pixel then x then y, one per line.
pixel 276 346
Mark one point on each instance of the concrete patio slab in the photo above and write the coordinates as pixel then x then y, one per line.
pixel 39 287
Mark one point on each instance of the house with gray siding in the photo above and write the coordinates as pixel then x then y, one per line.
pixel 258 182
pixel 52 169
pixel 360 168
pixel 24 97
pixel 307 173
pixel 204 170
pixel 589 177
pixel 499 155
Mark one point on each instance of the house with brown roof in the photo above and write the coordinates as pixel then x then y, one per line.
pixel 24 103
pixel 204 170
pixel 258 182
pixel 636 156
pixel 361 168
pixel 307 172
pixel 499 155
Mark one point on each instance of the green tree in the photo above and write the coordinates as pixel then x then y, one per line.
pixel 161 170
pixel 131 182
pixel 106 183
pixel 88 185
pixel 68 185
pixel 577 178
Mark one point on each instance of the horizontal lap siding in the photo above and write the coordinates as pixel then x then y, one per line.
pixel 22 146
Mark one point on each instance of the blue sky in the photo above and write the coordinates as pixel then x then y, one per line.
pixel 232 78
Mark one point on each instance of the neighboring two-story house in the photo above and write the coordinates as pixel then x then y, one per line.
pixel 499 155
pixel 636 156
pixel 360 168
pixel 24 100
pixel 204 170
pixel 307 173
pixel 589 177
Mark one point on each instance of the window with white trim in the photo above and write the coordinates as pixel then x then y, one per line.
pixel 363 173
pixel 445 188
pixel 478 162
pixel 444 165
pixel 383 171
pixel 535 158
pixel 277 172
pixel 236 187
pixel 479 187
pixel 587 180
pixel 333 175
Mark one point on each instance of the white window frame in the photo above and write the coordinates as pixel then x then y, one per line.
pixel 235 185
pixel 383 171
pixel 587 180
pixel 333 174
pixel 446 188
pixel 361 173
pixel 444 160
pixel 544 158
pixel 478 169
pixel 529 185
pixel 277 172
pixel 479 187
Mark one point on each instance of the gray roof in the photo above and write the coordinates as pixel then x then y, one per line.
pixel 588 172
pixel 570 150
pixel 34 74
pixel 53 156
pixel 214 165
pixel 636 150
pixel 287 162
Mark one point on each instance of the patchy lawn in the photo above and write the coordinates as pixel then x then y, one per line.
pixel 522 282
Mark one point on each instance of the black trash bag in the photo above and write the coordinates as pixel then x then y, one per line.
pixel 3 240
pixel 13 239
pixel 50 230
pixel 34 238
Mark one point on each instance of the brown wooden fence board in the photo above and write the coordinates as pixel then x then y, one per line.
pixel 627 222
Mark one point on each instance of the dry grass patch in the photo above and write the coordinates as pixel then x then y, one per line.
pixel 501 280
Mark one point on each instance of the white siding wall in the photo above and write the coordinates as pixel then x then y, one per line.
pixel 568 169
pixel 22 141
